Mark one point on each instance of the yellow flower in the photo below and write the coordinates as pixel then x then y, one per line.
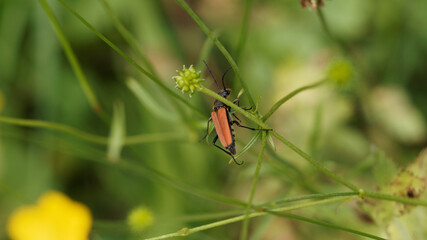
pixel 55 217
pixel 140 218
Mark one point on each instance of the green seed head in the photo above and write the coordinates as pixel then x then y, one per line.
pixel 188 80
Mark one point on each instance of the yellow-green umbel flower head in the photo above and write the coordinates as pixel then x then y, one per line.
pixel 188 80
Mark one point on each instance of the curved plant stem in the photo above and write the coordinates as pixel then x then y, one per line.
pixel 219 45
pixel 129 59
pixel 187 231
pixel 89 93
pixel 244 232
pixel 326 224
pixel 138 139
pixel 315 163
pixel 289 96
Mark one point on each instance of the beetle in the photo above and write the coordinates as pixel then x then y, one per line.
pixel 223 121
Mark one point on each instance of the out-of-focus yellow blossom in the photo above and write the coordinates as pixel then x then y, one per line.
pixel 140 218
pixel 340 73
pixel 54 217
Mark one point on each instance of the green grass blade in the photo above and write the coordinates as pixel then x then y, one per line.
pixel 150 103
pixel 245 227
pixel 129 59
pixel 131 140
pixel 89 93
pixel 117 133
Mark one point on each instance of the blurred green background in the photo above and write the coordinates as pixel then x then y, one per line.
pixel 379 115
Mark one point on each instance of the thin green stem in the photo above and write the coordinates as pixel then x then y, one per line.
pixel 89 93
pixel 244 232
pixel 55 126
pixel 326 224
pixel 243 30
pixel 129 38
pixel 305 197
pixel 234 106
pixel 129 59
pixel 138 139
pixel 382 196
pixel 289 96
pixel 315 163
pixel 328 32
pixel 187 231
pixel 219 45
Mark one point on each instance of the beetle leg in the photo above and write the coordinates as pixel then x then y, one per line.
pixel 207 129
pixel 229 153
pixel 260 129
pixel 237 102
pixel 234 115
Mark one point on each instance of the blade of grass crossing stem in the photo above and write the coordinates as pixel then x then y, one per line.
pixel 117 132
pixel 149 103
pixel 325 224
pixel 89 93
pixel 219 45
pixel 244 232
pixel 129 59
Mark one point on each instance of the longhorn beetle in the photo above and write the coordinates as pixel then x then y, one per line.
pixel 223 121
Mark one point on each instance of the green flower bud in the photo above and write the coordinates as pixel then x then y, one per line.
pixel 188 80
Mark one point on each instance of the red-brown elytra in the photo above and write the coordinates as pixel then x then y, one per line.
pixel 223 121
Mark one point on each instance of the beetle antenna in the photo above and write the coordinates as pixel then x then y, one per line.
pixel 223 76
pixel 212 75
